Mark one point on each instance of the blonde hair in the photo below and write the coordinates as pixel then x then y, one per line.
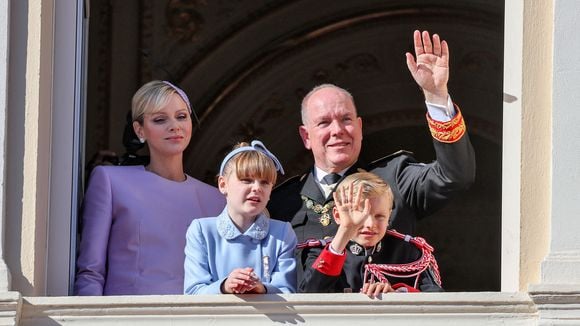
pixel 251 164
pixel 372 185
pixel 151 98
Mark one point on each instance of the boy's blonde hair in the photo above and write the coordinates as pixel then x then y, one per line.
pixel 251 164
pixel 372 185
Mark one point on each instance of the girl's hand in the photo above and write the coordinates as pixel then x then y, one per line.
pixel 241 280
pixel 258 289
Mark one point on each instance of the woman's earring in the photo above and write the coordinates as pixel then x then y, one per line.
pixel 142 140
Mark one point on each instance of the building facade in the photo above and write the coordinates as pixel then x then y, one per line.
pixel 43 90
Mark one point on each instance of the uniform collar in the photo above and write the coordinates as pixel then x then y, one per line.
pixel 228 230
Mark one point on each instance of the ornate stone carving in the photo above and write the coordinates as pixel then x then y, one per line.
pixel 184 20
pixel 360 63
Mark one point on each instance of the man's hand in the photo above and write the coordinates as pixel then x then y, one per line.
pixel 431 70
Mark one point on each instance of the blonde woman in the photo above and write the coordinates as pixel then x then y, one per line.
pixel 135 217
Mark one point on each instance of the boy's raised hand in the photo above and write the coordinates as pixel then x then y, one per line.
pixel 352 208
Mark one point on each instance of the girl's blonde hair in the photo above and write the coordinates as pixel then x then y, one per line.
pixel 251 164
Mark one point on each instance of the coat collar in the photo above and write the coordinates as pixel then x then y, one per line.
pixel 228 230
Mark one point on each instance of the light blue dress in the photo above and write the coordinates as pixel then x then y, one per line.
pixel 215 247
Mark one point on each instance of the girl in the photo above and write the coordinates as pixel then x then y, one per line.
pixel 135 217
pixel 242 250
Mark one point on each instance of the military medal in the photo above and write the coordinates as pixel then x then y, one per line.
pixel 325 219
pixel 266 268
pixel 323 210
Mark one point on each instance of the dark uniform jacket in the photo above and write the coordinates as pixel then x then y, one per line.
pixel 325 271
pixel 419 189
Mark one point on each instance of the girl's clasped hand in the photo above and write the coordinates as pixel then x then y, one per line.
pixel 243 280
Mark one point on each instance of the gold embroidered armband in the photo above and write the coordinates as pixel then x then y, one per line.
pixel 450 131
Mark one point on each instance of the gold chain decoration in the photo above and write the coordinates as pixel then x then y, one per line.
pixel 323 210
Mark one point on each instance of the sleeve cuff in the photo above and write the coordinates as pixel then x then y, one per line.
pixel 441 113
pixel 402 287
pixel 450 131
pixel 328 263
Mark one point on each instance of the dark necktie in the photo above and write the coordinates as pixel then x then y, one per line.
pixel 330 179
pixel 328 182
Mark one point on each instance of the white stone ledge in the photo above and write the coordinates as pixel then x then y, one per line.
pixel 10 306
pixel 557 304
pixel 489 308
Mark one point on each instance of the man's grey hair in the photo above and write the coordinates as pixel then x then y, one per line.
pixel 314 90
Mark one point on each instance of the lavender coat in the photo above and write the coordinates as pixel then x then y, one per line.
pixel 133 234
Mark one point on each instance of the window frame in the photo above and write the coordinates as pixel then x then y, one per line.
pixel 67 153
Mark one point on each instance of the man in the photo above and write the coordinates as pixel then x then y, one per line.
pixel 332 130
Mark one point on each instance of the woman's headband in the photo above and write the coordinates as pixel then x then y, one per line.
pixel 184 97
pixel 257 146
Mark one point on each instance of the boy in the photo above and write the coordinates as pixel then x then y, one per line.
pixel 363 204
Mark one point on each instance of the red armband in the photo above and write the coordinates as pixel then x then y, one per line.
pixel 329 263
pixel 450 131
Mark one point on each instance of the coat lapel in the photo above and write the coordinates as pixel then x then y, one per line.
pixel 311 189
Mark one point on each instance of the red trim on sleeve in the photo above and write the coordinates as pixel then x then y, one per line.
pixel 329 263
pixel 450 131
pixel 403 285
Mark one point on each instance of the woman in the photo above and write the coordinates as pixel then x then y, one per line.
pixel 135 217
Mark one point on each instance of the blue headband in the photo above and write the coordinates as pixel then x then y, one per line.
pixel 257 146
pixel 184 97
